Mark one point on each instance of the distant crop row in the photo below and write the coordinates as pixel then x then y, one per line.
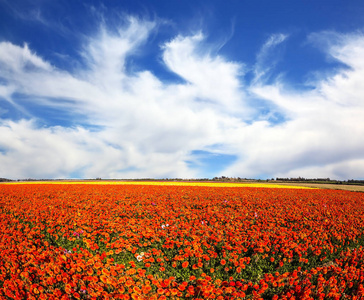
pixel 63 241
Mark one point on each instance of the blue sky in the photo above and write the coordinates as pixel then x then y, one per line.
pixel 188 89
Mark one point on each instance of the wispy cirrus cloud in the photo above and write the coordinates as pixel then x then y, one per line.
pixel 185 57
pixel 133 124
pixel 25 11
pixel 266 60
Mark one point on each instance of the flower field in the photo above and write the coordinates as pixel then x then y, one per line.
pixel 139 241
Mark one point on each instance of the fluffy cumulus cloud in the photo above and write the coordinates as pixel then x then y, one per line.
pixel 120 123
pixel 321 135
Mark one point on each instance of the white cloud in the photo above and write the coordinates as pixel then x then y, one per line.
pixel 211 78
pixel 16 59
pixel 148 128
pixel 321 136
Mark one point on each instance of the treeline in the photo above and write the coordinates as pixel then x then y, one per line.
pixel 5 180
pixel 304 179
pixel 234 179
pixel 322 180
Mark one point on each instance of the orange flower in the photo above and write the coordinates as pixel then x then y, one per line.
pixel 105 272
pixel 174 292
pixel 129 283
pixel 147 289
pixel 185 264
pixel 98 265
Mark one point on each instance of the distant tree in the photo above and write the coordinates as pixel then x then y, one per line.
pixel 5 180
